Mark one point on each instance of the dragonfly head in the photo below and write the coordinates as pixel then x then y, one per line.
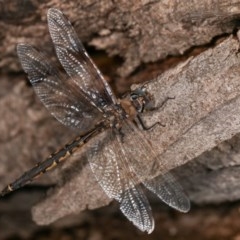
pixel 141 99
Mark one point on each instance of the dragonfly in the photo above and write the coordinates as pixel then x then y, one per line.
pixel 121 157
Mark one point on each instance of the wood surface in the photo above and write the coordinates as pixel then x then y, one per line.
pixel 190 51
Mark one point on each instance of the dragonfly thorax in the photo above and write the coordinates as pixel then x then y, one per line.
pixel 136 102
pixel 128 108
pixel 114 115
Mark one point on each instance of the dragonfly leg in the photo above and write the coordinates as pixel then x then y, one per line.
pixel 121 135
pixel 163 103
pixel 146 128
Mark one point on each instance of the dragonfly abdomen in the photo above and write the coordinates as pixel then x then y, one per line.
pixel 51 162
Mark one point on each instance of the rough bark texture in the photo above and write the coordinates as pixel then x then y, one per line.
pixel 204 112
pixel 138 31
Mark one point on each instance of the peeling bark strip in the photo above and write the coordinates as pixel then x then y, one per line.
pixel 205 111
pixel 138 31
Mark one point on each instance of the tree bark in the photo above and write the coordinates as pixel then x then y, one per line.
pixel 138 31
pixel 204 112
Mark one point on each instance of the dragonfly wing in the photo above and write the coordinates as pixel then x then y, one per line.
pixel 143 160
pixel 135 206
pixel 76 61
pixel 169 191
pixel 108 162
pixel 61 96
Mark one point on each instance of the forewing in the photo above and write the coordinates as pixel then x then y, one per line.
pixel 76 61
pixel 143 160
pixel 62 97
pixel 109 165
pixel 169 191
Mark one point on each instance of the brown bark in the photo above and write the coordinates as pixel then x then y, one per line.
pixel 204 112
pixel 138 31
